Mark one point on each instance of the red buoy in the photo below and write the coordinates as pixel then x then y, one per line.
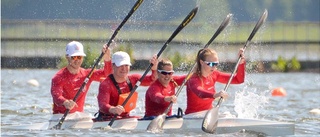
pixel 279 92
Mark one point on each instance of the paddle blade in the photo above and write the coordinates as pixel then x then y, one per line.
pixel 56 127
pixel 157 123
pixel 210 121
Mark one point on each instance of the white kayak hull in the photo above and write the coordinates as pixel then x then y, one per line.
pixel 232 125
pixel 225 125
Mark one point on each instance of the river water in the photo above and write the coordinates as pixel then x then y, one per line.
pixel 23 103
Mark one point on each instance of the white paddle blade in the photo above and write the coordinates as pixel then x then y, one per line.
pixel 157 123
pixel 210 121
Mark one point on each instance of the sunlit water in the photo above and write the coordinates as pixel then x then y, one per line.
pixel 22 103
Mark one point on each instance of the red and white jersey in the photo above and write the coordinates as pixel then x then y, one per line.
pixel 154 103
pixel 65 85
pixel 108 93
pixel 200 90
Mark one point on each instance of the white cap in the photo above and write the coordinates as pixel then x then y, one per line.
pixel 121 58
pixel 74 48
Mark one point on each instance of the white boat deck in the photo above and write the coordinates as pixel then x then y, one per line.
pixel 191 122
pixel 225 125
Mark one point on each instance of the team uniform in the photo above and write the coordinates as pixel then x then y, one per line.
pixel 65 86
pixel 154 103
pixel 109 94
pixel 200 90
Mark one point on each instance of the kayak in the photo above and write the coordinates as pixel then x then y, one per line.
pixel 187 123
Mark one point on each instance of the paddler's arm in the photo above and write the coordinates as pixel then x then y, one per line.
pixel 56 92
pixel 149 79
pixel 101 74
pixel 105 92
pixel 239 75
pixel 179 79
pixel 104 96
pixel 195 85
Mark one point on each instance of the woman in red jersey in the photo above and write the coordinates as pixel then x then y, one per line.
pixel 67 81
pixel 162 91
pixel 119 83
pixel 201 86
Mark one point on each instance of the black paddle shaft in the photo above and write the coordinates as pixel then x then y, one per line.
pixel 133 9
pixel 157 123
pixel 223 25
pixel 254 31
pixel 210 121
pixel 180 27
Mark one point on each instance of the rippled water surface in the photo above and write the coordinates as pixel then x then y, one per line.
pixel 22 103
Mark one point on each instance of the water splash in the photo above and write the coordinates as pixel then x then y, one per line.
pixel 249 102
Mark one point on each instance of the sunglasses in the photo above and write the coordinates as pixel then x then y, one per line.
pixel 163 72
pixel 76 57
pixel 211 64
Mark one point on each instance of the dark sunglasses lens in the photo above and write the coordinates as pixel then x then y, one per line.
pixel 76 57
pixel 166 73
pixel 212 64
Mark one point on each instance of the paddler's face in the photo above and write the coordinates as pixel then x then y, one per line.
pixel 75 61
pixel 165 75
pixel 121 71
pixel 209 64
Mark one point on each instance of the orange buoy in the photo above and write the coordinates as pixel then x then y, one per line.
pixel 279 92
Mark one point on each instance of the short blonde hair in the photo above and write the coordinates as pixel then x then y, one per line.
pixel 164 62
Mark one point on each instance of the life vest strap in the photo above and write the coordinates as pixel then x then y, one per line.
pixel 116 84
